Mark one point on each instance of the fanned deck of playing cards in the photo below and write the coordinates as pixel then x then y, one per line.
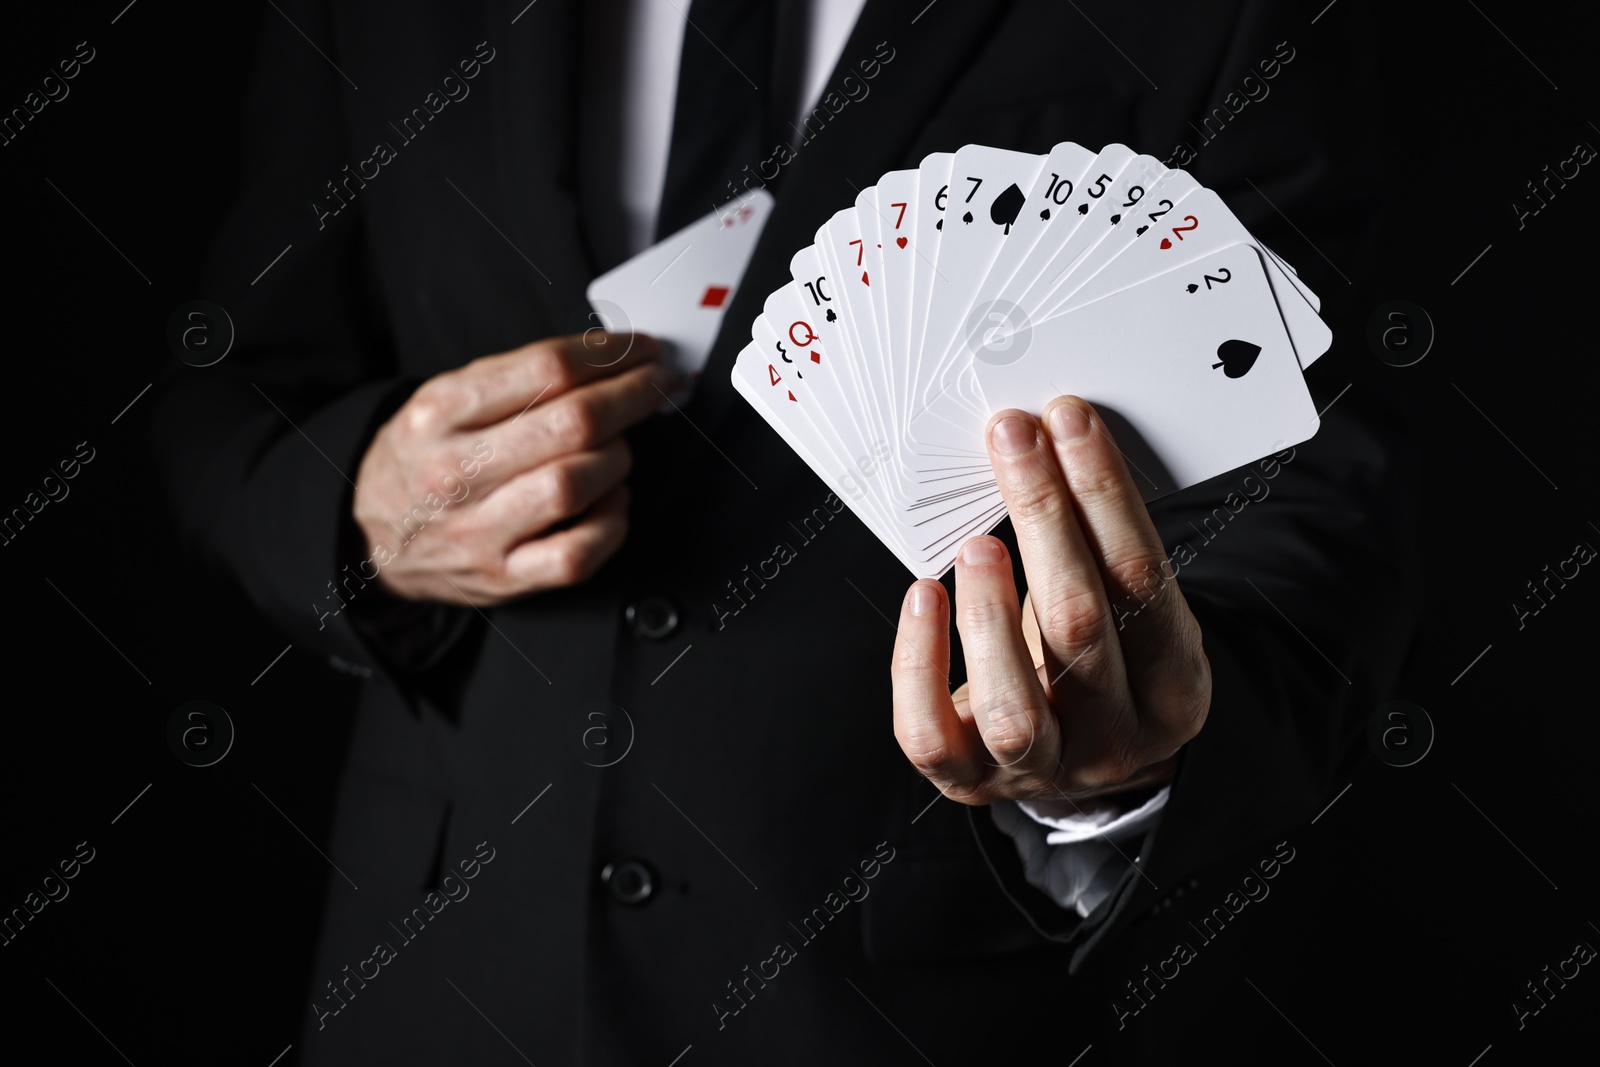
pixel 988 279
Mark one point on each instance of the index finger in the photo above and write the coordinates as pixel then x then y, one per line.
pixel 581 420
pixel 497 387
pixel 927 725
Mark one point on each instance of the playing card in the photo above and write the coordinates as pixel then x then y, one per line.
pixel 819 292
pixel 678 289
pixel 933 190
pixel 1170 187
pixel 1057 178
pixel 883 266
pixel 1198 226
pixel 984 198
pixel 842 248
pixel 987 279
pixel 1063 169
pixel 1191 385
pixel 1047 259
pixel 937 422
pixel 1102 218
pixel 926 535
pixel 751 369
pixel 1088 249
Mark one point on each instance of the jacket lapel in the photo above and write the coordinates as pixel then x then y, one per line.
pixel 931 45
pixel 533 146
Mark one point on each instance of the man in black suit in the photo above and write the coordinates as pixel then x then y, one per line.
pixel 615 789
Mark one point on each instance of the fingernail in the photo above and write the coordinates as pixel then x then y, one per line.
pixel 1014 435
pixel 1068 420
pixel 982 550
pixel 923 602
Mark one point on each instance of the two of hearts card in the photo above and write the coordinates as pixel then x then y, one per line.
pixel 988 279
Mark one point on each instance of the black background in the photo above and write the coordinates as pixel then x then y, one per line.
pixel 1404 927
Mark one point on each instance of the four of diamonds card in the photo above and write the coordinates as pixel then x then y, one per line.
pixel 988 279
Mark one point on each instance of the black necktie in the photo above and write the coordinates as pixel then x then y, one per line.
pixel 722 119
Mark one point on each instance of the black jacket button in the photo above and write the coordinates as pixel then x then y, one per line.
pixel 653 618
pixel 629 881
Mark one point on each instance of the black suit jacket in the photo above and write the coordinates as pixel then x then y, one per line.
pixel 760 769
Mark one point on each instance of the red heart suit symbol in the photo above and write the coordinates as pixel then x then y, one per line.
pixel 901 241
pixel 1166 242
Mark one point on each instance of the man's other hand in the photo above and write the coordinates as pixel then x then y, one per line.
pixel 504 477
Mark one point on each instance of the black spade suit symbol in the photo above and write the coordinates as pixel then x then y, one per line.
pixel 1045 214
pixel 939 225
pixel 1191 287
pixel 1237 357
pixel 1083 209
pixel 1003 212
pixel 967 218
pixel 1116 218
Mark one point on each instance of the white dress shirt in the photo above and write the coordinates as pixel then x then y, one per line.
pixel 651 44
pixel 1076 858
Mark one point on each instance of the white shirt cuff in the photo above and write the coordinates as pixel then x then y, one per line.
pixel 1074 854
